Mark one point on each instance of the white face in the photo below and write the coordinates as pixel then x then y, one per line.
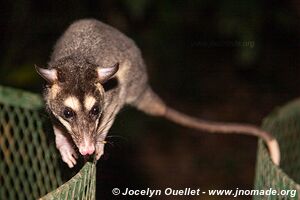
pixel 75 95
pixel 89 102
pixel 79 115
pixel 73 103
pixel 87 110
pixel 81 119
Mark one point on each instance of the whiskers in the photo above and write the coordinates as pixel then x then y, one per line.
pixel 112 141
pixel 104 126
pixel 100 132
pixel 117 136
pixel 101 141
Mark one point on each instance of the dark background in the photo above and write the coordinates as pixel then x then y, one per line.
pixel 221 60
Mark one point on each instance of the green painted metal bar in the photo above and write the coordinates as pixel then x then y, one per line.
pixel 284 123
pixel 29 164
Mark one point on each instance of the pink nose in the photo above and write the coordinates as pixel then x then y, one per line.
pixel 87 150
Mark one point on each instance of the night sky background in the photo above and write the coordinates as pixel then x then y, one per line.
pixel 221 60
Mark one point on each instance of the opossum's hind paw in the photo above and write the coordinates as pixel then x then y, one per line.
pixel 69 156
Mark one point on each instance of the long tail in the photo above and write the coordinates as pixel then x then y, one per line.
pixel 151 104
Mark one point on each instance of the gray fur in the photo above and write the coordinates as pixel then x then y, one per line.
pixel 88 44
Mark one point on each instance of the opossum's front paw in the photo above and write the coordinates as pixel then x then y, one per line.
pixel 99 150
pixel 68 155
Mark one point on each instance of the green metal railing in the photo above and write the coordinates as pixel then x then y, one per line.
pixel 284 123
pixel 29 162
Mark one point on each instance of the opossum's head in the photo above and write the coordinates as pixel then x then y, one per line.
pixel 75 97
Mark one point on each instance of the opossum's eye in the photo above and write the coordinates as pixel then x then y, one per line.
pixel 95 110
pixel 68 113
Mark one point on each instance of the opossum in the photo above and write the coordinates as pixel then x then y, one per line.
pixel 93 72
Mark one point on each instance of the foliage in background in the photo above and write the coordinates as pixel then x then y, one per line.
pixel 29 29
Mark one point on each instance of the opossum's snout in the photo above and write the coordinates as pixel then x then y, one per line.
pixel 86 148
pixel 83 136
pixel 81 119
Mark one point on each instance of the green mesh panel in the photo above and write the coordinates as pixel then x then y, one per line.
pixel 28 163
pixel 284 123
pixel 81 186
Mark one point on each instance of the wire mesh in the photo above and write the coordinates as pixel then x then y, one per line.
pixel 284 123
pixel 29 166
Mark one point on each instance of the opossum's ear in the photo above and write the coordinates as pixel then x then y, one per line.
pixel 50 75
pixel 105 73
